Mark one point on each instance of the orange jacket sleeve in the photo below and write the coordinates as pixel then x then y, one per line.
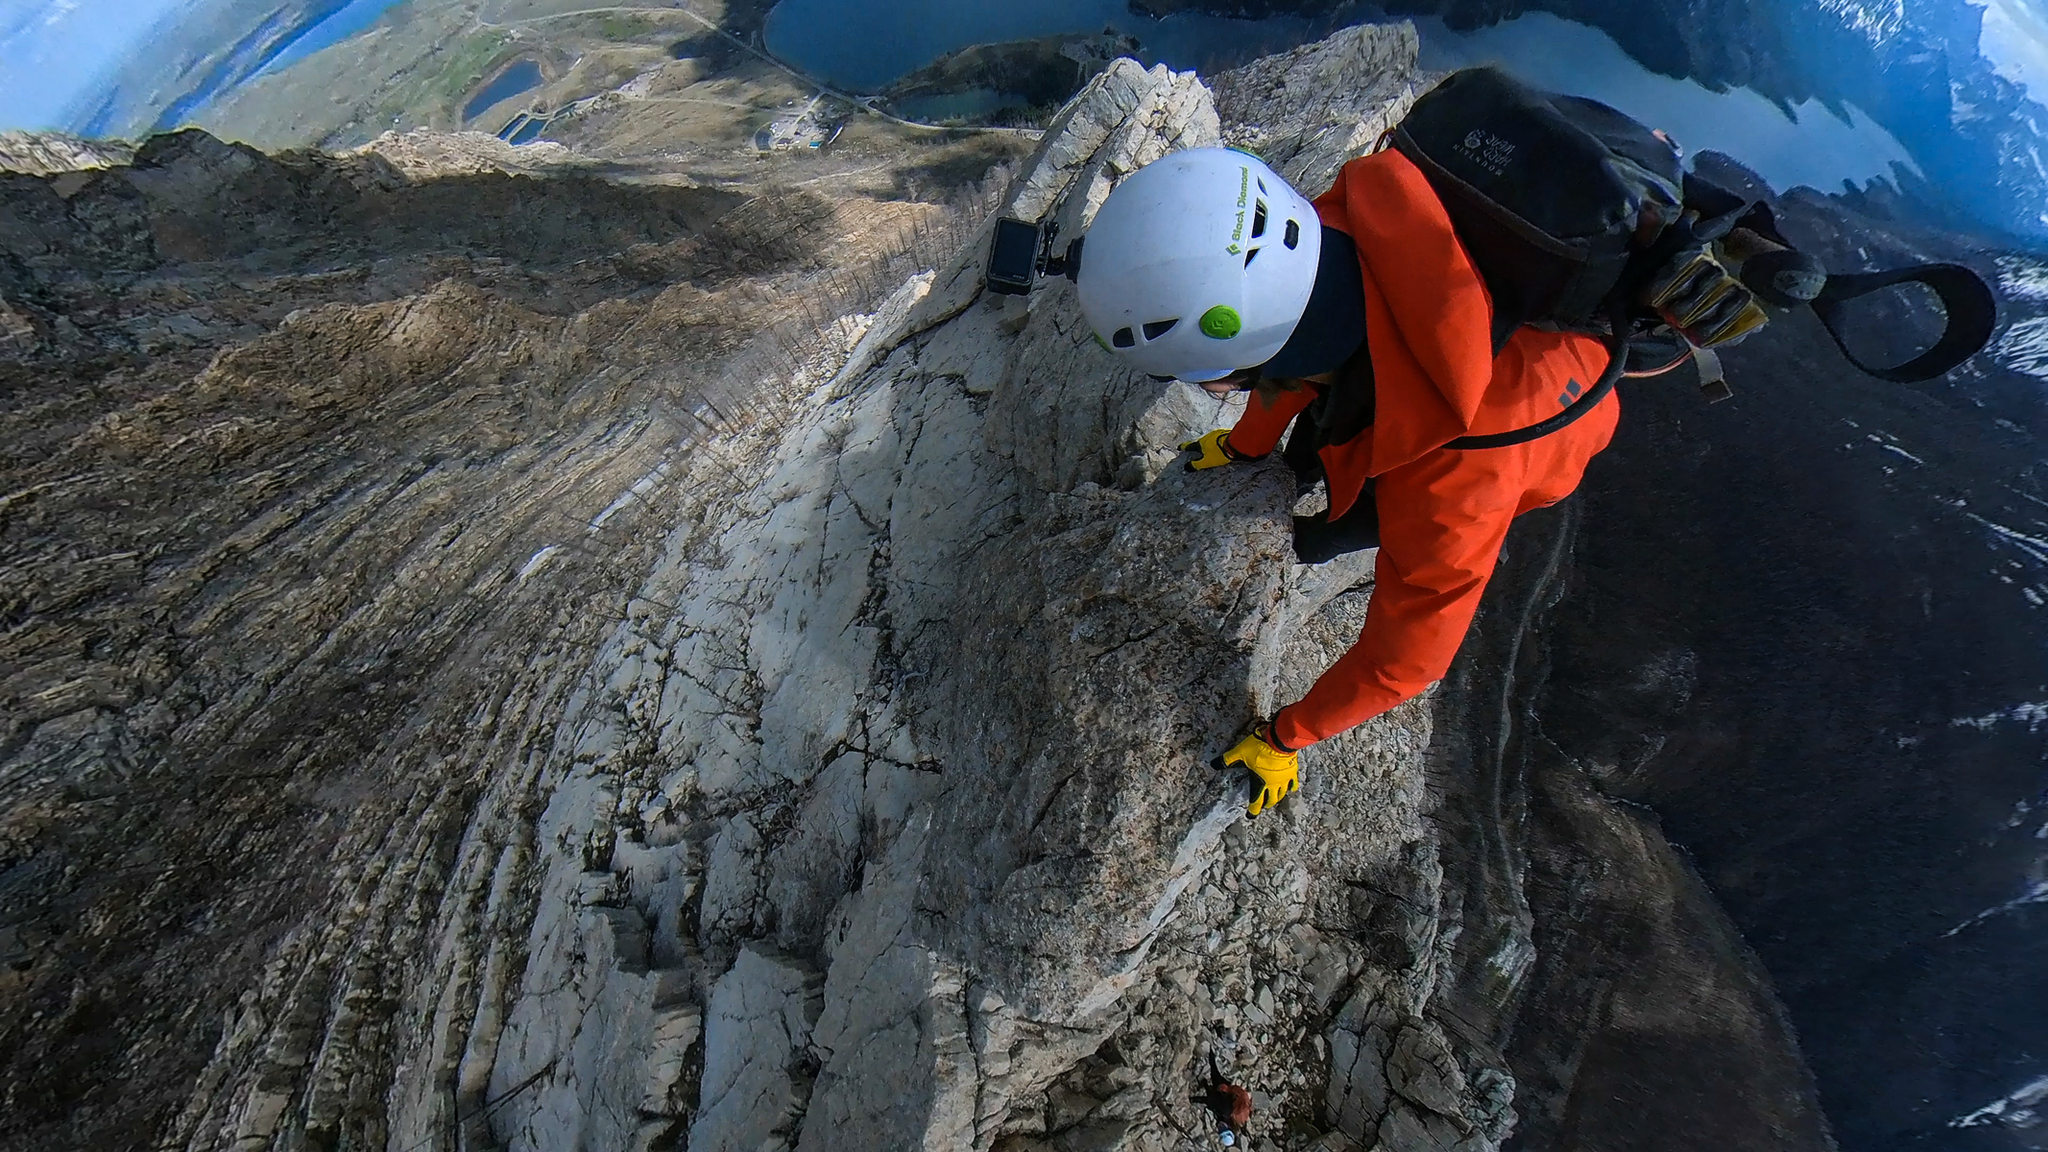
pixel 1442 520
pixel 1257 432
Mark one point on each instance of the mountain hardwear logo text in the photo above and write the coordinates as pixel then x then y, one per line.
pixel 1487 150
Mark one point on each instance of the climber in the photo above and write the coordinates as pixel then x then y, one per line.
pixel 1444 329
pixel 1359 319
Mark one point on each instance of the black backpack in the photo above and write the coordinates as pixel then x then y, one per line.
pixel 1567 208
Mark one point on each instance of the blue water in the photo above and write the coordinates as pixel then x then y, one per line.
pixel 268 46
pixel 1816 149
pixel 864 45
pixel 970 107
pixel 521 77
pixel 246 54
pixel 350 19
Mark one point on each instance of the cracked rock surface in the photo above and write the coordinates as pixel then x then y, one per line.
pixel 590 749
pixel 320 480
pixel 896 772
pixel 856 794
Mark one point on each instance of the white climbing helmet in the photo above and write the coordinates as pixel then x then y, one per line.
pixel 1199 264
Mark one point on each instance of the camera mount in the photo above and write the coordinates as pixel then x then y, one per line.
pixel 1021 251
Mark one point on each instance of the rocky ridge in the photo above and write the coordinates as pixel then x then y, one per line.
pixel 47 153
pixel 882 818
pixel 311 465
pixel 810 752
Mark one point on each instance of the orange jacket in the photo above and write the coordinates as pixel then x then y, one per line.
pixel 1443 512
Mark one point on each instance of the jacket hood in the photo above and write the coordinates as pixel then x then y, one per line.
pixel 1428 315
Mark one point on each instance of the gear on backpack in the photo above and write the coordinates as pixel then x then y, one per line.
pixel 1580 218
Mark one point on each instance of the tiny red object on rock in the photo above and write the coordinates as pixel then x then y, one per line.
pixel 1231 1104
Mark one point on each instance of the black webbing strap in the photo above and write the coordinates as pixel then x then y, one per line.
pixel 1617 363
pixel 1972 314
pixel 1971 309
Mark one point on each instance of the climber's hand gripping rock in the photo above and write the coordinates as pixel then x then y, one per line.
pixel 1211 451
pixel 1275 771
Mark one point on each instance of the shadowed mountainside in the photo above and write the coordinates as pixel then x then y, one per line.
pixel 306 459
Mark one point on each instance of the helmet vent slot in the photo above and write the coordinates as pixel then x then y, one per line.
pixel 1292 236
pixel 1158 328
pixel 1262 186
pixel 1259 220
pixel 1122 338
pixel 1248 257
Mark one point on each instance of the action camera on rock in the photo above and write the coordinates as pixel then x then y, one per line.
pixel 1022 251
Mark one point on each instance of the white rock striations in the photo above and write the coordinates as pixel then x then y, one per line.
pixel 884 820
pixel 51 153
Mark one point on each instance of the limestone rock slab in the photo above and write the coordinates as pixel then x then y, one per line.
pixel 757 1028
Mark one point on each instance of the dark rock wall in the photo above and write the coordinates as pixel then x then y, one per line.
pixel 1827 772
pixel 1634 1016
pixel 1793 672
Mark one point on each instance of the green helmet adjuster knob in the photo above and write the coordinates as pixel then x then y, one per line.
pixel 1221 322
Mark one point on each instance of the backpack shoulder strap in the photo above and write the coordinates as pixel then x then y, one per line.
pixel 1617 364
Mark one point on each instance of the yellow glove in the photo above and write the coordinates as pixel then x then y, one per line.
pixel 1211 451
pixel 1275 773
pixel 1695 294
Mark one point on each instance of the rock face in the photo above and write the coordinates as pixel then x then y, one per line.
pixel 880 817
pixel 47 154
pixel 317 474
pixel 474 730
pixel 1309 110
pixel 898 764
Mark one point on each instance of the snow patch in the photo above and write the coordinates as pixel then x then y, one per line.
pixel 1891 447
pixel 2033 546
pixel 538 560
pixel 2036 893
pixel 2023 277
pixel 2015 1108
pixel 2024 346
pixel 638 491
pixel 2033 715
pixel 1875 22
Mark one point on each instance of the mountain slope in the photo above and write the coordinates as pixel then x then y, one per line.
pixel 513 659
